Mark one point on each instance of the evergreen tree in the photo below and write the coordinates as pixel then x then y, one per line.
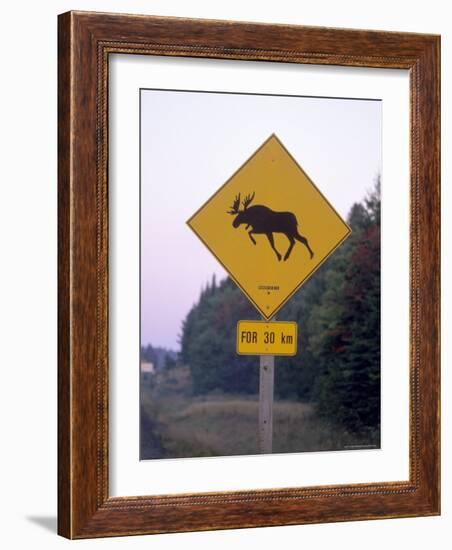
pixel 347 344
pixel 208 342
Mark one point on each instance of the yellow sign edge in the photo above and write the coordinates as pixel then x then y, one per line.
pixel 269 315
pixel 266 322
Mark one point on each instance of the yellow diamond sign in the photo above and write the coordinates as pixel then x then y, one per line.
pixel 269 226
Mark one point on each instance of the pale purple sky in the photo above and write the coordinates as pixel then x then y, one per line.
pixel 191 143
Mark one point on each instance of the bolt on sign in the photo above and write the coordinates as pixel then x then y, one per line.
pixel 269 226
pixel 266 338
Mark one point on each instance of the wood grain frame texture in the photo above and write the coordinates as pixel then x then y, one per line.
pixel 85 41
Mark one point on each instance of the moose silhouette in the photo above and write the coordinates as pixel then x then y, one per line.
pixel 265 221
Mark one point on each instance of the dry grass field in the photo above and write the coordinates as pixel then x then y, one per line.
pixel 176 424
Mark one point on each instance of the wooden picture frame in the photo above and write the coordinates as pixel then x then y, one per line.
pixel 85 42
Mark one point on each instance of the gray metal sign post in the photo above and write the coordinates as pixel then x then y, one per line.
pixel 266 382
pixel 266 385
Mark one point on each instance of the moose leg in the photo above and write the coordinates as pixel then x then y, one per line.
pixel 250 234
pixel 304 241
pixel 289 250
pixel 272 244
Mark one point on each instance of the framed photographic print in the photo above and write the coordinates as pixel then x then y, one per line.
pixel 248 275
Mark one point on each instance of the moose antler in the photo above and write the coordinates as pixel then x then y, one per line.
pixel 235 206
pixel 247 201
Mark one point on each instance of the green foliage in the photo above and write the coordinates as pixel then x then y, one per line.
pixel 337 366
pixel 170 362
pixel 149 354
pixel 158 356
pixel 208 341
pixel 345 326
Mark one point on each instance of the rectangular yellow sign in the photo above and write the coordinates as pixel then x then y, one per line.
pixel 266 338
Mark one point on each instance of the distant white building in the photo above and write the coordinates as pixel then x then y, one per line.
pixel 147 369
